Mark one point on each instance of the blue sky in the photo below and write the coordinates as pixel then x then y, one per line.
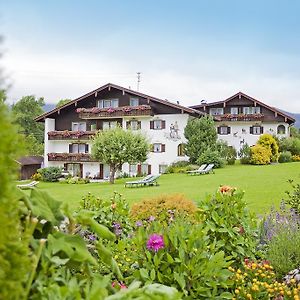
pixel 186 50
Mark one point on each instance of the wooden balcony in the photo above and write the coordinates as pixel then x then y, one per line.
pixel 241 117
pixel 104 113
pixel 72 157
pixel 70 135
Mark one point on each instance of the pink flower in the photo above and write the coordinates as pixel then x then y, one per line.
pixel 155 242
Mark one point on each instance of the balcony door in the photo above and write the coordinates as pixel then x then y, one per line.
pixel 74 169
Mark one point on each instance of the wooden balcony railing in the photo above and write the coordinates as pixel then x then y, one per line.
pixel 73 157
pixel 99 113
pixel 70 135
pixel 241 117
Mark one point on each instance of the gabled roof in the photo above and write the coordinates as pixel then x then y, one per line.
pixel 30 160
pixel 111 85
pixel 240 94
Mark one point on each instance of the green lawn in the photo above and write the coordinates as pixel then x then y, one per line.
pixel 263 185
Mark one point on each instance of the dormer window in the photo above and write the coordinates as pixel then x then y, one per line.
pixel 216 111
pixel 251 110
pixel 134 101
pixel 106 103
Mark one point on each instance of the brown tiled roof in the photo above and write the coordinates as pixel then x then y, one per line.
pixel 30 160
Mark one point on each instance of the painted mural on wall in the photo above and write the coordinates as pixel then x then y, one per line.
pixel 173 133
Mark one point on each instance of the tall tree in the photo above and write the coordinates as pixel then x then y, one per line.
pixel 24 112
pixel 62 102
pixel 117 146
pixel 201 134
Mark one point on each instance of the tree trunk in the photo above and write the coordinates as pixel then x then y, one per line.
pixel 112 173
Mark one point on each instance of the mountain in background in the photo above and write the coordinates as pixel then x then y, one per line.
pixel 297 117
pixel 48 107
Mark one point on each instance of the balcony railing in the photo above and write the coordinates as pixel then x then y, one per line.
pixel 99 113
pixel 74 157
pixel 70 135
pixel 241 117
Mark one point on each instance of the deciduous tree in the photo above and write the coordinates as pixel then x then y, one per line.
pixel 117 146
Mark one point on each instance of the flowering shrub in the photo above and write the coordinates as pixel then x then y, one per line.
pixel 260 155
pixel 296 157
pixel 229 224
pixel 163 208
pixel 268 141
pixel 155 242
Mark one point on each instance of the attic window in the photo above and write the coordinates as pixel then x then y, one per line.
pixel 251 110
pixel 134 101
pixel 106 103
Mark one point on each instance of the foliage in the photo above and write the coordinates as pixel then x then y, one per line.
pixel 117 146
pixel 200 134
pixel 209 156
pixel 186 261
pixel 296 157
pixel 227 153
pixel 33 146
pixel 293 197
pixel 37 177
pixel 179 167
pixel 291 144
pixel 76 180
pixel 295 132
pixel 113 212
pixel 24 112
pixel 230 225
pixel 285 156
pixel 51 174
pixel 257 280
pixel 267 140
pixel 245 154
pixel 62 102
pixel 14 251
pixel 163 208
pixel 260 155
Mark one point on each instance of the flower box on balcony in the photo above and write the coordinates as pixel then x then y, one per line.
pixel 241 117
pixel 76 157
pixel 70 135
pixel 97 113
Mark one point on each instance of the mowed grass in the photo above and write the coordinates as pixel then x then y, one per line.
pixel 264 186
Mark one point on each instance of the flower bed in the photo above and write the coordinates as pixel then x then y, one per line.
pixel 73 135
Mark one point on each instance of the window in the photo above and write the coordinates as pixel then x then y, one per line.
pixel 162 169
pixel 79 126
pixel 133 125
pixel 134 101
pixel 234 110
pixel 144 169
pixel 180 150
pixel 133 169
pixel 281 129
pixel 158 124
pixel 157 147
pixel 106 103
pixel 223 130
pixel 73 169
pixel 109 124
pixel 251 110
pixel 256 130
pixel 78 148
pixel 216 111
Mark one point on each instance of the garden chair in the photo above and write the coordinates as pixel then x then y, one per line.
pixel 207 170
pixel 152 181
pixel 138 182
pixel 29 185
pixel 201 168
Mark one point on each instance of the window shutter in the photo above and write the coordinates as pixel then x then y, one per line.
pixel 163 124
pixel 151 124
pixel 139 125
pixel 251 130
pixel 228 130
pixel 86 148
pixel 219 130
pixel 261 130
pixel 127 124
pixel 70 148
pixel 139 169
pixel 163 148
pixel 149 169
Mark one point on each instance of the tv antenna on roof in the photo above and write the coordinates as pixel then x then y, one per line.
pixel 138 80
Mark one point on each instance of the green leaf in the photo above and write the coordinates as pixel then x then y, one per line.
pixel 144 274
pixel 152 274
pixel 180 279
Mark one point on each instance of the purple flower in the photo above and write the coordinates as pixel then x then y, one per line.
pixel 91 237
pixel 151 218
pixel 117 228
pixel 138 223
pixel 155 242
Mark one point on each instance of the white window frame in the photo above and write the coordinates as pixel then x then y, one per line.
pixel 162 168
pixel 234 110
pixel 216 111
pixel 255 130
pixel 107 103
pixel 157 124
pixel 224 130
pixel 81 126
pixel 251 110
pixel 134 101
pixel 133 168
pixel 144 168
pixel 109 125
pixel 157 147
pixel 134 127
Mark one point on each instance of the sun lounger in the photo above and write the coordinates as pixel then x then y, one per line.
pixel 138 182
pixel 152 181
pixel 201 168
pixel 209 168
pixel 29 185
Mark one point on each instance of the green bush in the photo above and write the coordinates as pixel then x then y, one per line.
pixel 181 166
pixel 163 208
pixel 291 144
pixel 268 141
pixel 229 224
pixel 51 174
pixel 285 156
pixel 231 156
pixel 77 180
pixel 211 157
pixel 260 155
pixel 227 153
pixel 245 154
